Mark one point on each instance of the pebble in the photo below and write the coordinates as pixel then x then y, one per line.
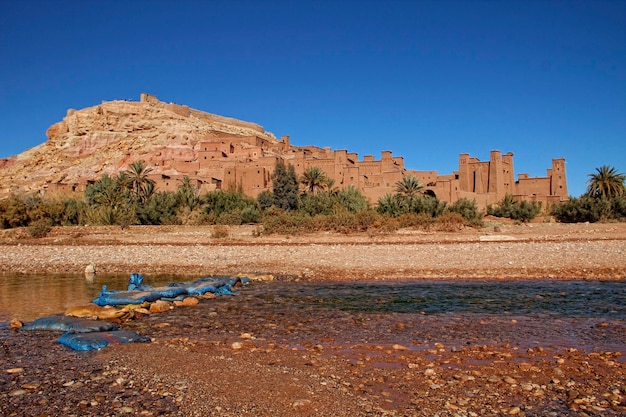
pixel 301 403
pixel 510 380
pixel 514 411
pixel 15 370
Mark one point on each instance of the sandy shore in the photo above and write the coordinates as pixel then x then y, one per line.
pixel 254 355
pixel 542 250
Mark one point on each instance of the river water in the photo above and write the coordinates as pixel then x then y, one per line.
pixel 578 313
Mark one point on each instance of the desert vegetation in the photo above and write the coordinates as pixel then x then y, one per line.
pixel 310 203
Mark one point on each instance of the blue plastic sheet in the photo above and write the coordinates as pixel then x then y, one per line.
pixel 99 340
pixel 67 324
pixel 138 292
pixel 117 298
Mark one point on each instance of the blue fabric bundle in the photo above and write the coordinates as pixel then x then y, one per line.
pixel 68 324
pixel 99 340
pixel 117 298
pixel 138 292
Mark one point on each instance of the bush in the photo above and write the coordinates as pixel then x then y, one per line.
pixel 250 214
pixel 389 205
pixel 265 200
pixel 450 222
pixel 387 224
pixel 220 232
pixel 580 210
pixel 468 210
pixel 13 213
pixel 161 208
pixel 39 228
pixel 313 204
pixel 231 218
pixel 221 201
pixel 366 219
pixel 421 221
pixel 288 223
pixel 351 199
pixel 516 210
pixel 618 208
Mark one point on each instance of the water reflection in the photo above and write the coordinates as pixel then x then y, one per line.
pixel 533 298
pixel 28 297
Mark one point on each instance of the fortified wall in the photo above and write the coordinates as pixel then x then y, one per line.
pixel 216 152
pixel 249 161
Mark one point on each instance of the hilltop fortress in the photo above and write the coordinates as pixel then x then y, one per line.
pixel 215 152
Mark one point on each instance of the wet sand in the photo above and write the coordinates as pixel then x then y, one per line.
pixel 253 356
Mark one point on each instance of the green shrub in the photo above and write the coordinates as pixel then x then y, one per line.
pixel 468 210
pixel 319 203
pixel 517 210
pixel 351 199
pixel 580 210
pixel 389 205
pixel 162 208
pixel 250 214
pixel 265 200
pixel 618 208
pixel 224 201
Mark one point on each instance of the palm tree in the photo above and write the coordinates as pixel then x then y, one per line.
pixel 606 183
pixel 409 187
pixel 314 179
pixel 141 185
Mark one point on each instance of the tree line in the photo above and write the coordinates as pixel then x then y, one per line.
pixel 310 202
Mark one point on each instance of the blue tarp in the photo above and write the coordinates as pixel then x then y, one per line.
pixel 87 334
pixel 99 340
pixel 138 292
pixel 67 324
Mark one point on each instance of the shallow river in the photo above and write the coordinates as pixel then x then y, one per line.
pixel 586 314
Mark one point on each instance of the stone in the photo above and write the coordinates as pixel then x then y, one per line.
pixel 160 306
pixel 509 380
pixel 301 403
pixel 186 302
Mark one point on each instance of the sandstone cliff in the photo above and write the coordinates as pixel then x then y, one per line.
pixel 104 139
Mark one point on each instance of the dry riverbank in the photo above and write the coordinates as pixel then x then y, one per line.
pixel 253 355
pixel 541 250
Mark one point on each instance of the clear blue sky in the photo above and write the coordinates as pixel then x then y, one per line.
pixel 426 80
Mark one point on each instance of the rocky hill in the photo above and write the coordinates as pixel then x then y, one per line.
pixel 104 139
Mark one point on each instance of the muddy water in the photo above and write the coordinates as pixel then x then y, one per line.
pixel 584 314
pixel 28 297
